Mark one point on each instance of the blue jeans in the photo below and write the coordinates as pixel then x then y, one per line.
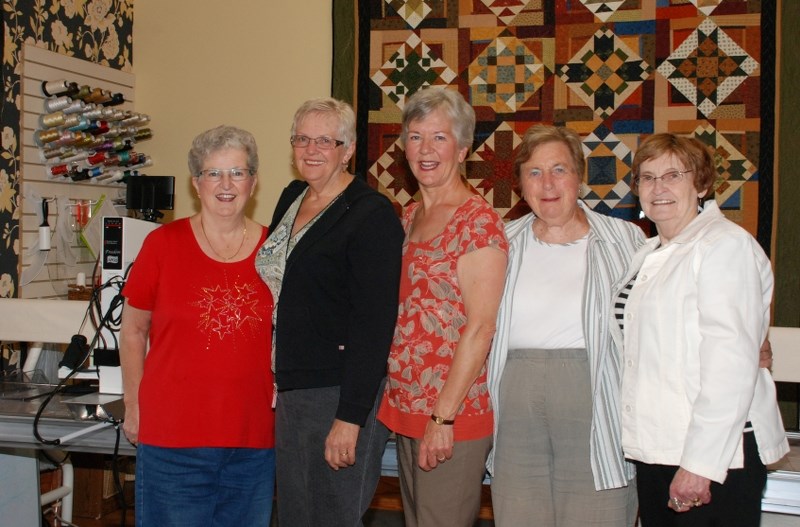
pixel 216 487
pixel 310 493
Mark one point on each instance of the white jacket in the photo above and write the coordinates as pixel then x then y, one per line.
pixel 694 322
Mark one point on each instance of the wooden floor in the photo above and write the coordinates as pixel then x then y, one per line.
pixel 387 497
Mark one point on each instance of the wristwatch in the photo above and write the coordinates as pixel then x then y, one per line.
pixel 441 420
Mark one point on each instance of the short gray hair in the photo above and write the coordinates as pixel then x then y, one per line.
pixel 539 134
pixel 329 106
pixel 428 100
pixel 221 138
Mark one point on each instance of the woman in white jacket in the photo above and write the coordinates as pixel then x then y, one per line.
pixel 699 417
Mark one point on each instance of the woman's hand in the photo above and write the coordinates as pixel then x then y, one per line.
pixel 436 446
pixel 765 355
pixel 688 490
pixel 340 445
pixel 130 426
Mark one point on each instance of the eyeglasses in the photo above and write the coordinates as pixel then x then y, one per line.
pixel 672 177
pixel 215 174
pixel 323 143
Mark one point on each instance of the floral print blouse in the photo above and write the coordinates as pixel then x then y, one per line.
pixel 430 321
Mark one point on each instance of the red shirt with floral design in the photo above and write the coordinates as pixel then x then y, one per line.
pixel 430 321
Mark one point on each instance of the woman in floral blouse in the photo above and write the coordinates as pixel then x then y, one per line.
pixel 454 261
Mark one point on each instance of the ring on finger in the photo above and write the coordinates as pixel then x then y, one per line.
pixel 441 459
pixel 678 504
pixel 343 453
pixel 696 502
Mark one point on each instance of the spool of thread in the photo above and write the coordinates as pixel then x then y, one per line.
pixel 52 120
pixel 73 156
pixel 111 176
pixel 96 159
pixel 83 140
pixel 43 137
pixel 52 153
pixel 51 88
pixel 55 104
pixel 115 100
pixel 114 177
pixel 65 138
pixel 93 172
pixel 143 134
pixel 75 107
pixel 58 87
pixel 104 146
pixel 145 162
pixel 83 93
pixel 98 127
pixel 79 175
pixel 98 96
pixel 59 170
pixel 113 131
pixel 130 174
pixel 95 94
pixel 81 123
pixel 92 111
pixel 124 158
pixel 123 144
pixel 71 120
pixel 130 120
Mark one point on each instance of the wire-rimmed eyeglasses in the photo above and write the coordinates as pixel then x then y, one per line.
pixel 322 142
pixel 672 177
pixel 215 174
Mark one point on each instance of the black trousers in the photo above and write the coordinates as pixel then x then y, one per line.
pixel 736 503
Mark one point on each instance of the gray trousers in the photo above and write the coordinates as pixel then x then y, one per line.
pixel 310 493
pixel 542 469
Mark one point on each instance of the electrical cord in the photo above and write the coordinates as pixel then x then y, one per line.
pixel 115 303
pixel 112 322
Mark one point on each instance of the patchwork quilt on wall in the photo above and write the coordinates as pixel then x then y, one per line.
pixel 615 71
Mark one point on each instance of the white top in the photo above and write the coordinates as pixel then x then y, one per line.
pixel 611 245
pixel 694 322
pixel 555 272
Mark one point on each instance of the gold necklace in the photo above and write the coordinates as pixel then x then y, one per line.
pixel 223 258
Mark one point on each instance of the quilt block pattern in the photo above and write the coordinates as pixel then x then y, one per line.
pixel 615 71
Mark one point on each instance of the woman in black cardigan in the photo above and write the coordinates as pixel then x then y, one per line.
pixel 332 261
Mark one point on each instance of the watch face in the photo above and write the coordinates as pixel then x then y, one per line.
pixel 441 420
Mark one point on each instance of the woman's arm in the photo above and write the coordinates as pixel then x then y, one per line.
pixel 374 254
pixel 733 295
pixel 481 275
pixel 133 347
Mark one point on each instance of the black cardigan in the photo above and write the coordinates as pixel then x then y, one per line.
pixel 338 303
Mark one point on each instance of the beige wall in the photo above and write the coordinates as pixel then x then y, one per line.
pixel 248 63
